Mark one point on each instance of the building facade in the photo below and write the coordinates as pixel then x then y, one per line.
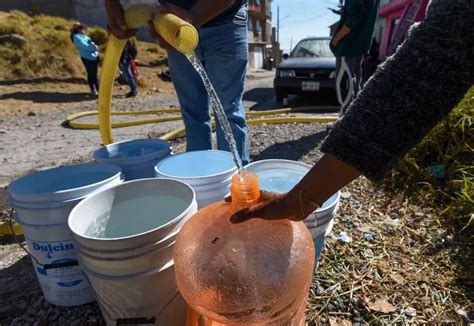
pixel 92 12
pixel 259 32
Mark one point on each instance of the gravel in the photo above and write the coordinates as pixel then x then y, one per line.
pixel 349 275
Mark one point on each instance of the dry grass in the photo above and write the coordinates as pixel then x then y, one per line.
pixel 49 51
pixel 451 145
pixel 419 270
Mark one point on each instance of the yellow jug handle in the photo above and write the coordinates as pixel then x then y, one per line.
pixel 176 31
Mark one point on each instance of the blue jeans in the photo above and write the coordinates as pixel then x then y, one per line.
pixel 223 51
pixel 126 69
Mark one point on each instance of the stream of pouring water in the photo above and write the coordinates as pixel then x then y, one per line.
pixel 218 109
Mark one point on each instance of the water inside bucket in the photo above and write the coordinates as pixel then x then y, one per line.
pixel 283 180
pixel 136 215
pixel 196 164
pixel 134 152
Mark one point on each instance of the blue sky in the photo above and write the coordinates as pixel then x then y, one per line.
pixel 302 18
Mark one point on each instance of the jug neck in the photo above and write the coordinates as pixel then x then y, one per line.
pixel 245 190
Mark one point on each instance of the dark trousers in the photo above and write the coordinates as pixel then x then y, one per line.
pixel 353 76
pixel 92 66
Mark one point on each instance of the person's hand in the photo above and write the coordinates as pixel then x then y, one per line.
pixel 273 206
pixel 334 41
pixel 116 21
pixel 167 8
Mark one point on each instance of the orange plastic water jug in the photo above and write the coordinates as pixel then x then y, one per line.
pixel 253 273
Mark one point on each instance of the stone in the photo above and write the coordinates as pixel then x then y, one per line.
pixel 319 290
pixel 430 312
pixel 62 320
pixel 346 195
pixel 409 312
pixel 331 308
pixel 13 39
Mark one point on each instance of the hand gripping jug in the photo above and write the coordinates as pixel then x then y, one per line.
pixel 253 273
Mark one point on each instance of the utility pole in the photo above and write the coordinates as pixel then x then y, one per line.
pixel 291 44
pixel 278 24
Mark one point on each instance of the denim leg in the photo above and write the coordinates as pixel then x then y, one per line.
pixel 226 55
pixel 193 100
pixel 127 71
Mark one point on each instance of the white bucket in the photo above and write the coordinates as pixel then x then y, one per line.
pixel 209 173
pixel 125 237
pixel 281 176
pixel 42 202
pixel 137 158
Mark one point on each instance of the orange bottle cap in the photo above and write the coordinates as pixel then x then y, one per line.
pixel 245 190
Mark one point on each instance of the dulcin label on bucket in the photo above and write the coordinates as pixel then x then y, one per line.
pixel 58 271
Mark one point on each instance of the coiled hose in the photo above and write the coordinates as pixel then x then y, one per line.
pixel 184 38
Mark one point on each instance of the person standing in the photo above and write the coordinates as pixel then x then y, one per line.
pixel 350 43
pixel 89 53
pixel 129 53
pixel 223 51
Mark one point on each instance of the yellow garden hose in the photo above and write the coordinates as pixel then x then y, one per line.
pixel 81 125
pixel 177 32
pixel 184 38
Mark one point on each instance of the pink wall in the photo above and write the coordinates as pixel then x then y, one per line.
pixel 391 11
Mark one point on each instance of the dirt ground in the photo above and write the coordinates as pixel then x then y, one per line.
pixel 415 270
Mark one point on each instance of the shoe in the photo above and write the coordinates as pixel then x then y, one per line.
pixel 131 94
pixel 94 93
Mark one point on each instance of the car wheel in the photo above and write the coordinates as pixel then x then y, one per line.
pixel 280 94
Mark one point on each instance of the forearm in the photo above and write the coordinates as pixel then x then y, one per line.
pixel 410 93
pixel 324 179
pixel 205 10
pixel 343 32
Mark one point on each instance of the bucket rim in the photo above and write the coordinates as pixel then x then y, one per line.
pixel 186 178
pixel 126 183
pixel 115 169
pixel 166 149
pixel 48 205
pixel 277 160
pixel 306 166
pixel 113 259
pixel 146 248
pixel 19 221
pixel 159 269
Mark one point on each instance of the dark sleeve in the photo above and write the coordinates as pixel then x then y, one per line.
pixel 410 93
pixel 357 13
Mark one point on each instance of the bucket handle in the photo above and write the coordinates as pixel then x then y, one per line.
pixel 45 266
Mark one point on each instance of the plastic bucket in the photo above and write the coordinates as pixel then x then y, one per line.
pixel 209 173
pixel 47 198
pixel 281 176
pixel 148 298
pixel 137 158
pixel 125 237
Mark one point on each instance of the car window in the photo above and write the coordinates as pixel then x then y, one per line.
pixel 312 49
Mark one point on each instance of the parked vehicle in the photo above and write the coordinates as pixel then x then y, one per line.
pixel 311 67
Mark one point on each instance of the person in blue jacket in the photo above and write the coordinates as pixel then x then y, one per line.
pixel 89 53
